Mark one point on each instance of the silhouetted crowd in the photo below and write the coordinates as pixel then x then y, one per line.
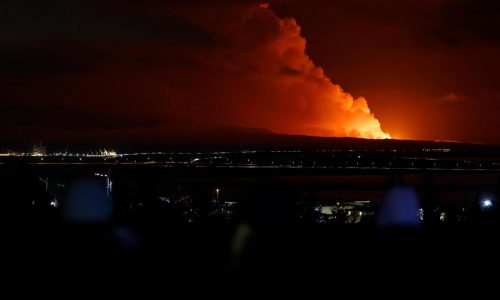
pixel 85 243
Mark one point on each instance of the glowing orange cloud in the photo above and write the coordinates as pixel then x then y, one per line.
pixel 249 68
pixel 271 82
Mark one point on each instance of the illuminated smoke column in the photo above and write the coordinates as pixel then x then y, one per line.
pixel 270 82
pixel 244 67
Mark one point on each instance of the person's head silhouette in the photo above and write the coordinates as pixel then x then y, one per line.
pixel 399 208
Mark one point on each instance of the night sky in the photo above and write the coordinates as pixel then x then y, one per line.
pixel 123 70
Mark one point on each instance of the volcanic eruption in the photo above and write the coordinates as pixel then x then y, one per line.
pixel 261 76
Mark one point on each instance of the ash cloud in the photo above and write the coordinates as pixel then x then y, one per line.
pixel 238 65
pixel 261 76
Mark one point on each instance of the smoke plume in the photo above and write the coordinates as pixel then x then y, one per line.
pixel 172 70
pixel 261 76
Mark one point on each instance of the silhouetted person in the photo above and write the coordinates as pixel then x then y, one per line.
pixel 87 215
pixel 399 209
pixel 267 262
pixel 399 255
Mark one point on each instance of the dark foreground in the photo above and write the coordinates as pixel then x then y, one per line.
pixel 243 234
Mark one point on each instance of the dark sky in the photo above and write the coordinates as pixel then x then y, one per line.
pixel 132 70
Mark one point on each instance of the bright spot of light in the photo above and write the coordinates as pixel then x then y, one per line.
pixel 486 203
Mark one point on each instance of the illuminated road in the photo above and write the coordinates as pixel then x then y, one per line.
pixel 423 160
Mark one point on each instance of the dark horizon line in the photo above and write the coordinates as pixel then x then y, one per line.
pixel 248 141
